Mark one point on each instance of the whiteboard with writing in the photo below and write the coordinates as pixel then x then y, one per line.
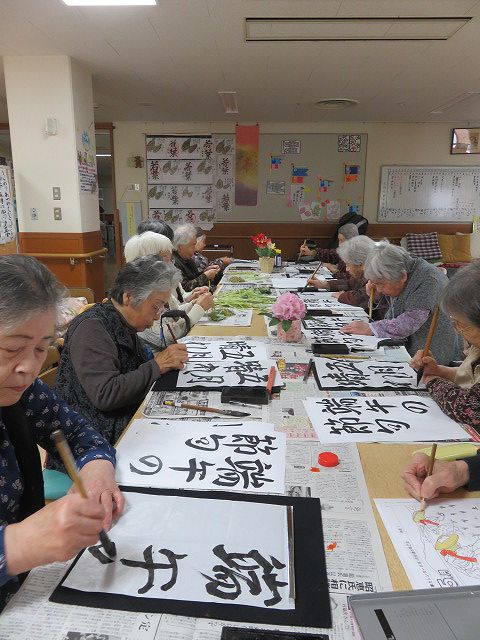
pixel 421 194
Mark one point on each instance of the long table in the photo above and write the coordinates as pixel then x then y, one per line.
pixel 382 463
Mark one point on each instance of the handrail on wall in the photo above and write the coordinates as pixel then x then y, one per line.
pixel 73 257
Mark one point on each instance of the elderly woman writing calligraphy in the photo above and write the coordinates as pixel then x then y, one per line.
pixel 30 533
pixel 105 371
pixel 194 304
pixel 457 389
pixel 354 254
pixel 330 257
pixel 184 244
pixel 413 288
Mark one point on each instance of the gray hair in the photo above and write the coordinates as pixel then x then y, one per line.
pixel 356 250
pixel 157 226
pixel 27 287
pixel 142 277
pixel 462 294
pixel 147 244
pixel 387 262
pixel 348 231
pixel 183 234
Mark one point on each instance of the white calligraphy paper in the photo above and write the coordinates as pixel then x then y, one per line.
pixel 439 547
pixel 171 547
pixel 292 284
pixel 332 336
pixel 248 457
pixel 239 318
pixel 201 349
pixel 340 373
pixel 329 322
pixel 321 301
pixel 229 373
pixel 381 419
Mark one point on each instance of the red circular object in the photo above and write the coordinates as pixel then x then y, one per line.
pixel 328 459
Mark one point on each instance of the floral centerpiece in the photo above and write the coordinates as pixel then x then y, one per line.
pixel 266 252
pixel 286 314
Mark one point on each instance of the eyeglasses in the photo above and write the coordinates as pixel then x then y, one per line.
pixel 158 308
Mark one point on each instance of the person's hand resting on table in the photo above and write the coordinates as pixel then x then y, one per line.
pixel 358 328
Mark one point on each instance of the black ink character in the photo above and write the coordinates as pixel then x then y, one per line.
pixel 152 566
pixel 376 406
pixel 207 443
pixel 415 406
pixel 347 425
pixel 193 469
pixel 225 583
pixel 251 445
pixel 390 426
pixel 151 461
pixel 336 406
pixel 99 555
pixel 251 472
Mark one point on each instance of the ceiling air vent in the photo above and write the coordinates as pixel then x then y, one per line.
pixel 335 103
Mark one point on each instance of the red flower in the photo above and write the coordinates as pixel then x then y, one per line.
pixel 260 240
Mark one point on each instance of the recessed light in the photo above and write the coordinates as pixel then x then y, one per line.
pixel 335 103
pixel 109 3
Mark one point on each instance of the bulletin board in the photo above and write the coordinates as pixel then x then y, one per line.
pixel 327 157
pixel 429 194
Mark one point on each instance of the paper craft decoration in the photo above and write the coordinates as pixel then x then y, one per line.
pixel 201 349
pixel 190 455
pixel 275 162
pixel 352 172
pixel 439 547
pixel 225 558
pixel 291 146
pixel 333 336
pixel 276 187
pixel 335 373
pixel 381 419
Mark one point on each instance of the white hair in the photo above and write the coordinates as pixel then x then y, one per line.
pixel 348 231
pixel 356 250
pixel 387 262
pixel 183 234
pixel 146 244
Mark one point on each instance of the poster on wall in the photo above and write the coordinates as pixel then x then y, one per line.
pixel 7 213
pixel 224 173
pixel 246 165
pixel 291 146
pixel 180 178
pixel 87 166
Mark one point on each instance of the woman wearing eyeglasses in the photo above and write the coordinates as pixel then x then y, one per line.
pixel 457 389
pixel 105 371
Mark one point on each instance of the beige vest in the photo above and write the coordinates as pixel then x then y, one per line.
pixel 468 373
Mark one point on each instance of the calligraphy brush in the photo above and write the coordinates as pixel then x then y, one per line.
pixel 69 462
pixel 370 306
pixel 426 349
pixel 308 369
pixel 431 462
pixel 197 407
pixel 311 277
pixel 171 333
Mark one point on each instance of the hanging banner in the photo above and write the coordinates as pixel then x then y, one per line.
pixel 246 165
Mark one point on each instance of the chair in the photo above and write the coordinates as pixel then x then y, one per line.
pixel 85 292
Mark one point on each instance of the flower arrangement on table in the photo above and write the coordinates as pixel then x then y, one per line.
pixel 264 246
pixel 288 308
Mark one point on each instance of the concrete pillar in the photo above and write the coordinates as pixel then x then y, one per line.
pixel 55 170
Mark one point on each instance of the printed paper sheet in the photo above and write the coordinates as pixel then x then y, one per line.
pixel 337 373
pixel 440 547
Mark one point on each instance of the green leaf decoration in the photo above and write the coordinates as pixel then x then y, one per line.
pixel 286 324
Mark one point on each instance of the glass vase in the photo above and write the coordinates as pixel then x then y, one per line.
pixel 294 334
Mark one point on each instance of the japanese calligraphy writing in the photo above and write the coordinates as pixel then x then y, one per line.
pixel 369 374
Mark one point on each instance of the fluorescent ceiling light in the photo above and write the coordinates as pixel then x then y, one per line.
pixel 108 3
pixel 103 155
pixel 229 101
pixel 356 29
pixel 453 102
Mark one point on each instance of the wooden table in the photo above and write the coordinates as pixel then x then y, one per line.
pixel 382 463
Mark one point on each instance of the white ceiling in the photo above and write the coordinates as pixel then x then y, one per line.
pixel 179 54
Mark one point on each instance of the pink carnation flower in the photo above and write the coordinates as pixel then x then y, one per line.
pixel 289 307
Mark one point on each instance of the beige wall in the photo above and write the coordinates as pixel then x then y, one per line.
pixel 388 143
